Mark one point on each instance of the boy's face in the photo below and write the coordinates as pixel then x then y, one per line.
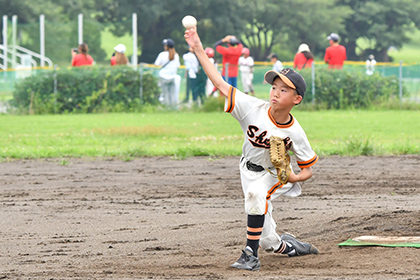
pixel 282 96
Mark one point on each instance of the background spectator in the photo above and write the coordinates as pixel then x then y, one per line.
pixel 370 65
pixel 119 58
pixel 246 65
pixel 277 65
pixel 303 57
pixel 81 57
pixel 335 54
pixel 169 80
pixel 231 55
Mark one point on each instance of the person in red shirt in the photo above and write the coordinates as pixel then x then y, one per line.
pixel 82 58
pixel 303 58
pixel 231 55
pixel 336 53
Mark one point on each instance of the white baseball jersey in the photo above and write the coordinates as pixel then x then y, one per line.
pixel 260 188
pixel 246 64
pixel 257 124
pixel 278 66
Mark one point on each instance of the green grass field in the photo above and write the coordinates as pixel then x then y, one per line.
pixel 185 134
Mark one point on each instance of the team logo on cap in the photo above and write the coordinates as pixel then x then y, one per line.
pixel 284 71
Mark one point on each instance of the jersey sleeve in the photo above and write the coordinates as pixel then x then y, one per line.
pixel 239 104
pixel 305 156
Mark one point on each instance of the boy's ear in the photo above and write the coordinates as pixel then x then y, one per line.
pixel 298 99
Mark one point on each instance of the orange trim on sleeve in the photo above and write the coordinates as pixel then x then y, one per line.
pixel 231 99
pixel 308 163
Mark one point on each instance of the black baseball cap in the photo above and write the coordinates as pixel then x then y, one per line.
pixel 169 43
pixel 290 77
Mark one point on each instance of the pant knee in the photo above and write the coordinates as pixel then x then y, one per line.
pixel 255 202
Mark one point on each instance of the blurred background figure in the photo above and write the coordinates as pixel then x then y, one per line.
pixel 335 54
pixel 210 88
pixel 119 57
pixel 196 76
pixel 303 58
pixel 169 80
pixel 191 69
pixel 370 65
pixel 231 55
pixel 277 65
pixel 80 56
pixel 246 65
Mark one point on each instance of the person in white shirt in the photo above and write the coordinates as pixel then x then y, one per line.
pixel 277 65
pixel 169 80
pixel 246 64
pixel 370 65
pixel 191 67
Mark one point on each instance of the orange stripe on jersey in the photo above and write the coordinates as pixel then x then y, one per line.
pixel 231 99
pixel 280 125
pixel 308 163
pixel 250 229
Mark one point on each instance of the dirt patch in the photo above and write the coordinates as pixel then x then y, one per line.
pixel 157 218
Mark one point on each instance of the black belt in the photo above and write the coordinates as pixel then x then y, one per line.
pixel 254 167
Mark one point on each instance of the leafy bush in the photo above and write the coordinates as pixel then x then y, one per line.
pixel 338 89
pixel 86 90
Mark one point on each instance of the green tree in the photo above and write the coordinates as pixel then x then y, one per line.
pixel 288 23
pixel 383 23
pixel 162 19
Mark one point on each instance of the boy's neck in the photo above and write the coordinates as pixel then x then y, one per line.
pixel 281 116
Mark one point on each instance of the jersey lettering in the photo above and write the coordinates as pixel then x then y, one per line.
pixel 258 141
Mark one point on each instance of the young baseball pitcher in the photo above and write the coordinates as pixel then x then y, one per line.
pixel 260 120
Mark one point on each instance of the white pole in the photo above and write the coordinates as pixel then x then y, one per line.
pixel 134 57
pixel 400 80
pixel 5 41
pixel 313 82
pixel 14 36
pixel 80 25
pixel 42 38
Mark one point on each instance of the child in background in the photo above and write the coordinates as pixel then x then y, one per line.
pixel 246 65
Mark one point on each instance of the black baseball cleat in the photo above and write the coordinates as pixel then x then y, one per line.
pixel 247 261
pixel 299 248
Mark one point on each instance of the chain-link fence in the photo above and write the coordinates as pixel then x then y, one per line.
pixel 408 75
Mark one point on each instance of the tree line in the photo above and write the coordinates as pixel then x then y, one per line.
pixel 264 26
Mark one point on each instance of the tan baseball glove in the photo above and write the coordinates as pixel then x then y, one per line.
pixel 280 158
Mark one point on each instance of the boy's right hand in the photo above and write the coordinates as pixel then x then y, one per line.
pixel 192 38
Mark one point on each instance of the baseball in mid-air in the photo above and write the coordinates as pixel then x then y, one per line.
pixel 189 22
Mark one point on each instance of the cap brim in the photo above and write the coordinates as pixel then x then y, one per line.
pixel 271 75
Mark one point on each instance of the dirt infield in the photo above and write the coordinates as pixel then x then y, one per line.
pixel 157 218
